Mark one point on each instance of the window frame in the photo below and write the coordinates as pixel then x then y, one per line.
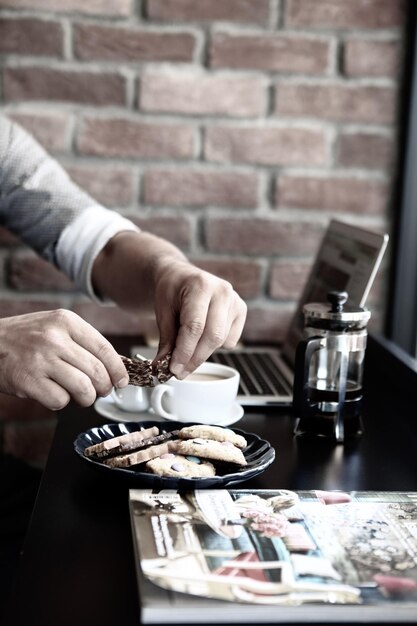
pixel 401 317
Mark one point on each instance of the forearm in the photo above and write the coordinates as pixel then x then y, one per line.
pixel 129 266
pixel 37 199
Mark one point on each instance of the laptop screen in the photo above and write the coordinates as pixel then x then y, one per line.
pixel 347 260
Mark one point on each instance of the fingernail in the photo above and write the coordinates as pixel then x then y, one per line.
pixel 178 370
pixel 183 374
pixel 123 382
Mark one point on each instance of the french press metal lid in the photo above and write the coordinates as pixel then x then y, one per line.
pixel 329 367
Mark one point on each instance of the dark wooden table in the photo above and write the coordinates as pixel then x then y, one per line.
pixel 77 563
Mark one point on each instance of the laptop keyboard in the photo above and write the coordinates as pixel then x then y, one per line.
pixel 259 373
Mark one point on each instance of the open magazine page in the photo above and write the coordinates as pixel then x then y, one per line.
pixel 281 548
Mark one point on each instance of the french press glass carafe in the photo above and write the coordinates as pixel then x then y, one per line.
pixel 329 369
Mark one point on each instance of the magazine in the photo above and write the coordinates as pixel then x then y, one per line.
pixel 241 556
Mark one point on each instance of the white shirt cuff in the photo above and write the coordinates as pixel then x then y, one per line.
pixel 82 240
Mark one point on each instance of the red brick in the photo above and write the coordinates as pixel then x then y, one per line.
pixel 365 149
pixel 51 129
pixel 287 279
pixel 48 84
pixel 372 58
pixel 267 324
pixel 341 14
pixel 30 37
pixel 117 137
pixel 92 7
pixel 123 44
pixel 31 273
pixel 177 230
pixel 112 185
pixel 114 321
pixel 261 236
pixel 191 188
pixel 270 52
pixel 244 11
pixel 333 194
pixel 197 94
pixel 266 146
pixel 347 103
pixel 245 276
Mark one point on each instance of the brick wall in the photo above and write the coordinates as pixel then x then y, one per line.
pixel 234 128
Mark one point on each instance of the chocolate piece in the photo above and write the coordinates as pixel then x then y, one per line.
pixel 161 368
pixel 143 372
pixel 140 371
pixel 140 456
pixel 123 442
pixel 132 442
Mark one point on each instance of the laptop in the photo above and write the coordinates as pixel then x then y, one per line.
pixel 347 260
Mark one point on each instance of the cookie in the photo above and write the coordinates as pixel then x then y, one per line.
pixel 209 449
pixel 176 465
pixel 121 443
pixel 140 456
pixel 216 433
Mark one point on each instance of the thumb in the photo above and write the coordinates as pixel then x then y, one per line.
pixel 168 329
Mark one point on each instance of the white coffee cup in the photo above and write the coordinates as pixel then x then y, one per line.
pixel 132 399
pixel 207 395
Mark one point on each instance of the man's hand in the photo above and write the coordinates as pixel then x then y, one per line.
pixel 196 313
pixel 55 356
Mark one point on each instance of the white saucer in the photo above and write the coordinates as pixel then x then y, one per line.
pixel 107 408
pixel 235 415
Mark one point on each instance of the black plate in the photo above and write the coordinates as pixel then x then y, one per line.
pixel 259 455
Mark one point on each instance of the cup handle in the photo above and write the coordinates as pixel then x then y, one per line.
pixel 156 401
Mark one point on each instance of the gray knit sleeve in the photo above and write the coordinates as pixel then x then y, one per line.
pixel 37 198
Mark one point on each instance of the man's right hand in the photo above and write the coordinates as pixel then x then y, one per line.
pixel 56 356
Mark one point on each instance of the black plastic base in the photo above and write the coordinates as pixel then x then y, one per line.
pixel 324 426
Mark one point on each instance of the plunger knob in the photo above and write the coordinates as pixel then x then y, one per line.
pixel 337 299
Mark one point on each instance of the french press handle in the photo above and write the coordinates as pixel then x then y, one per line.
pixel 305 350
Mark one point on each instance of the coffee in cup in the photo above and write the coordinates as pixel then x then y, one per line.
pixel 207 395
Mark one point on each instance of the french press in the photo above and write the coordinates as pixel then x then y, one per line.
pixel 329 368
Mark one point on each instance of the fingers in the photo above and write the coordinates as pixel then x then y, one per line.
pixel 211 316
pixel 167 325
pixel 56 356
pixel 48 393
pixel 185 357
pixel 81 387
pixel 88 365
pixel 238 319
pixel 96 357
